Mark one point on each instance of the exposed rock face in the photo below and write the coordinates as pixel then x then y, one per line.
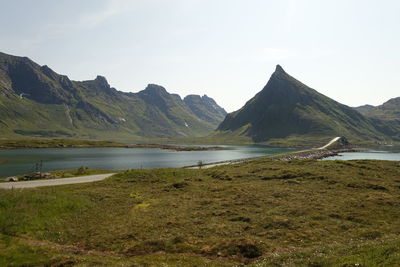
pixel 206 108
pixel 286 107
pixel 37 101
pixel 101 82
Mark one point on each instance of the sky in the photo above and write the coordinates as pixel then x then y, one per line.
pixel 348 50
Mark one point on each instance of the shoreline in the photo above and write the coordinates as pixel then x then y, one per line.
pixel 160 146
pixel 316 154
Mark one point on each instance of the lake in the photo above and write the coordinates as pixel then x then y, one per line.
pixel 23 161
pixel 381 153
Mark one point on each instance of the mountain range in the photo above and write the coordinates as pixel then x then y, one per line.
pixel 36 101
pixel 286 110
pixel 385 116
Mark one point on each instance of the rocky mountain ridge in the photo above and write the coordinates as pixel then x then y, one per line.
pixel 37 101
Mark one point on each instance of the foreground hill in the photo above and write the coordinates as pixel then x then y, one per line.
pixel 261 213
pixel 36 101
pixel 386 116
pixel 288 109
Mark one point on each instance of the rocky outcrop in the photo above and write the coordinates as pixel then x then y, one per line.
pixel 206 108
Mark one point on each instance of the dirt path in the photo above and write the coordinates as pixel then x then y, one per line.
pixel 52 182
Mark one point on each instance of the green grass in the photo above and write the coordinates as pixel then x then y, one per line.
pixel 258 213
pixel 61 143
pixel 287 112
pixel 81 171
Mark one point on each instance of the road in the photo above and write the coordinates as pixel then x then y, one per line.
pixel 99 177
pixel 210 165
pixel 52 182
pixel 330 143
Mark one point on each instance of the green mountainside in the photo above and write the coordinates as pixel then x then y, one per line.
pixel 36 101
pixel 288 109
pixel 385 116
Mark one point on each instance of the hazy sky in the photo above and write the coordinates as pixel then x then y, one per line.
pixel 348 50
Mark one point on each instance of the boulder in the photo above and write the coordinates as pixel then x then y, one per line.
pixel 11 179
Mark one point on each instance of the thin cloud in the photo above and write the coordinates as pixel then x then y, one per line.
pixel 84 22
pixel 113 8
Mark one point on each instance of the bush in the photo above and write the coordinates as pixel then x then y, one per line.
pixel 82 170
pixel 200 164
pixel 67 175
pixel 244 248
pixel 249 250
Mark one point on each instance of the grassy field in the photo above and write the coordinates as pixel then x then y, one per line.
pixel 258 213
pixel 76 143
pixel 81 171
pixel 51 143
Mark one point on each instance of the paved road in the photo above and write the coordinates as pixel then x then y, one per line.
pixel 210 165
pixel 52 182
pixel 330 143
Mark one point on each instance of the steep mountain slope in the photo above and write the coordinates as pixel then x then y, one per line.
pixel 386 116
pixel 36 101
pixel 206 108
pixel 286 108
pixel 168 111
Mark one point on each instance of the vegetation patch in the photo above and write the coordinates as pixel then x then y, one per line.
pixel 183 217
pixel 39 133
pixel 56 143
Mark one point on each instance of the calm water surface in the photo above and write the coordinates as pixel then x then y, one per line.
pixel 22 161
pixel 381 153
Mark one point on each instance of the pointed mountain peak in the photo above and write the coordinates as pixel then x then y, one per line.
pixel 279 69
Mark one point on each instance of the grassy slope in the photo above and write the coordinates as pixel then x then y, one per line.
pixel 54 106
pixel 292 213
pixel 389 110
pixel 386 116
pixel 287 111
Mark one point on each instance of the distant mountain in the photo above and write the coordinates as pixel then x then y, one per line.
pixel 206 108
pixel 36 101
pixel 386 116
pixel 389 110
pixel 288 109
pixel 364 108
